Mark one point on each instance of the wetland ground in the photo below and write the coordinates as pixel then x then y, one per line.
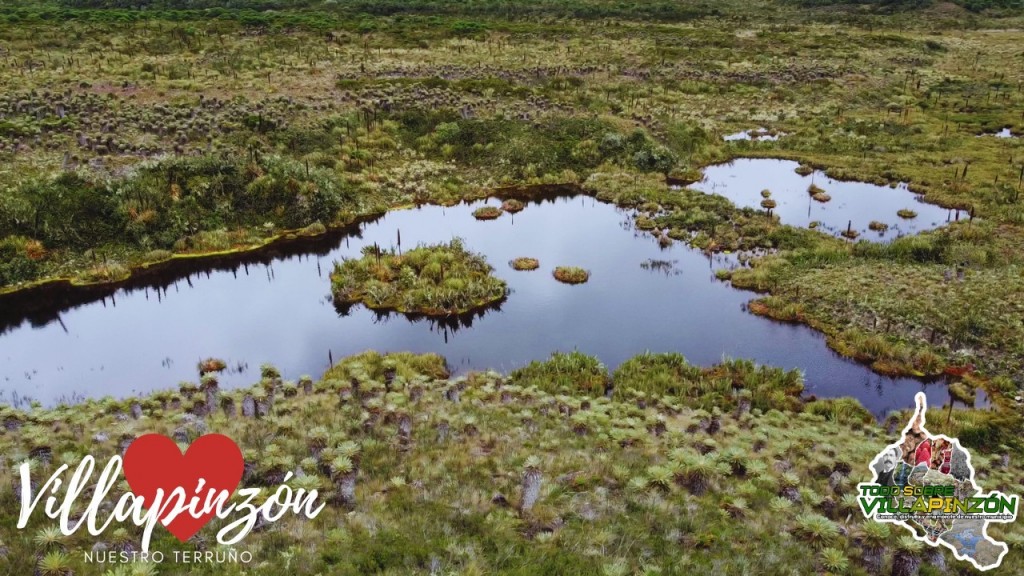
pixel 286 308
pixel 143 153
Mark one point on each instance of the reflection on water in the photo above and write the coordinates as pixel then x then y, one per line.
pixel 853 204
pixel 445 324
pixel 276 307
pixel 1004 133
pixel 758 134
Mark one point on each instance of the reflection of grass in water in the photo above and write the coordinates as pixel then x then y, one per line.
pixel 512 206
pixel 446 324
pixel 666 266
pixel 433 280
pixel 487 213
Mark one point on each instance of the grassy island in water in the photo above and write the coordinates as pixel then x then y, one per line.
pixel 436 280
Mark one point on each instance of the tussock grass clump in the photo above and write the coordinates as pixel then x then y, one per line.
pixel 219 240
pixel 573 372
pixel 878 226
pixel 821 197
pixel 108 272
pixel 55 563
pixel 769 203
pixel 487 213
pixel 906 213
pixel 656 374
pixel 804 170
pixel 314 229
pixel 524 263
pixel 645 223
pixel 157 255
pixel 649 377
pixel 625 188
pixel 375 366
pixel 844 410
pixel 539 460
pixel 770 387
pixel 698 472
pixel 437 280
pixel 817 530
pixel 571 275
pixel 908 556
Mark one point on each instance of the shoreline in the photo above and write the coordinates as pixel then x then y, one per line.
pixel 70 293
pixel 511 191
pixel 166 396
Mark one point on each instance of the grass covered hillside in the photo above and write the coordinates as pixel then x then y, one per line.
pixel 537 472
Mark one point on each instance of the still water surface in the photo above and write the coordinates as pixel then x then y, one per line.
pixel 854 204
pixel 276 308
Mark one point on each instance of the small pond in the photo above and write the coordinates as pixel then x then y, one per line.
pixel 756 134
pixel 854 204
pixel 275 307
pixel 1004 133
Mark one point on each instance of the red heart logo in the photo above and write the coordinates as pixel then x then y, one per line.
pixel 154 462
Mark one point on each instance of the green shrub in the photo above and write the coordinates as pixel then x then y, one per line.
pixel 656 374
pixel 574 372
pixel 15 264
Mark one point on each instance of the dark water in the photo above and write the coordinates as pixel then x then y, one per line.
pixel 856 203
pixel 279 311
